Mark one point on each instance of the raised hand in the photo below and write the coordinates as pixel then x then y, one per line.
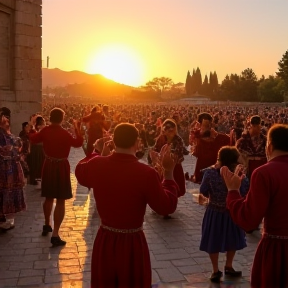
pixel 168 159
pixel 232 180
pixel 108 147
pixel 155 157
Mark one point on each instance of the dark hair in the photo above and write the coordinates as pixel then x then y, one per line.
pixel 5 111
pixel 96 108
pixel 56 115
pixel 255 120
pixel 24 124
pixel 39 120
pixel 278 136
pixel 228 156
pixel 169 121
pixel 204 116
pixel 125 135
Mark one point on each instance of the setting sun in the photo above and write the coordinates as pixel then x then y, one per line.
pixel 118 63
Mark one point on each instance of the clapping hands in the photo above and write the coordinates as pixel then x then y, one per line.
pixel 165 161
pixel 232 180
pixel 167 158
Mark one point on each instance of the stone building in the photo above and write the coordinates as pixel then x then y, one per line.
pixel 20 59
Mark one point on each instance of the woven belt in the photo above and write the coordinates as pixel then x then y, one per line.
pixel 266 235
pixel 54 159
pixel 122 230
pixel 256 158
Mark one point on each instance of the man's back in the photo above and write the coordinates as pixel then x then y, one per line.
pixel 274 183
pixel 122 188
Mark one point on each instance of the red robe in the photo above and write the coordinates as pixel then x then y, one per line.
pixel 267 198
pixel 122 188
pixel 56 174
pixel 178 147
pixel 206 152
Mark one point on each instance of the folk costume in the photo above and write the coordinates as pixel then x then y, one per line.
pixel 179 149
pixel 11 176
pixel 56 168
pixel 120 255
pixel 267 198
pixel 206 150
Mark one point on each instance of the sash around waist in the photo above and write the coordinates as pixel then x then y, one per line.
pixel 116 230
pixel 267 235
pixel 55 159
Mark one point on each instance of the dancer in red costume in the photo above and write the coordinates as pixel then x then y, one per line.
pixel 205 143
pixel 120 254
pixel 267 198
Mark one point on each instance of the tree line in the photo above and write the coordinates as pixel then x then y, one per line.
pixel 243 87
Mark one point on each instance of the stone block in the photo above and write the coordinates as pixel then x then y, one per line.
pixel 38 20
pixel 18 84
pixel 172 256
pixel 21 40
pixel 31 281
pixel 29 96
pixel 170 274
pixel 9 3
pixel 18 17
pixel 9 274
pixel 184 262
pixel 20 265
pixel 7 96
pixel 190 269
pixel 11 282
pixel 31 272
pixel 45 264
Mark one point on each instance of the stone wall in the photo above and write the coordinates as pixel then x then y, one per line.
pixel 20 59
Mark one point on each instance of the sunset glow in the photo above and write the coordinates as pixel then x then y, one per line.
pixel 135 41
pixel 118 63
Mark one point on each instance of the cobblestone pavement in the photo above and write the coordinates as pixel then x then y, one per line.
pixel 27 259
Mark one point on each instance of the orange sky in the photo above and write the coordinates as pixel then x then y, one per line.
pixel 133 41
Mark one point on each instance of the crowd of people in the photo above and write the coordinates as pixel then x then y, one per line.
pixel 232 144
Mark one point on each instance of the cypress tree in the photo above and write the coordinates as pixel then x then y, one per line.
pixel 193 82
pixel 188 84
pixel 198 81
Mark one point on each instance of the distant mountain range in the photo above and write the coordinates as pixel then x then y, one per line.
pixel 56 77
pixel 79 82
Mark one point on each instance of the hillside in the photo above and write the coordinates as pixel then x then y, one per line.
pixel 80 83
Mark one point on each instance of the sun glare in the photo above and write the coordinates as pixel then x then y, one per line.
pixel 118 63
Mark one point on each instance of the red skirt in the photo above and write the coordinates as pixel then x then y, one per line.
pixel 56 181
pixel 179 178
pixel 270 266
pixel 120 260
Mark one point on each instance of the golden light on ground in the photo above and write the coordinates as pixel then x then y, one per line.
pixel 118 63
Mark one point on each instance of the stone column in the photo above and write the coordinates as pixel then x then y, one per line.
pixel 21 78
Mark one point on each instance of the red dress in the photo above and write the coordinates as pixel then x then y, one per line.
pixel 267 198
pixel 57 142
pixel 122 189
pixel 97 126
pixel 206 152
pixel 178 147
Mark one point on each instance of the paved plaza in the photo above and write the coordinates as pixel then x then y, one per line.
pixel 27 259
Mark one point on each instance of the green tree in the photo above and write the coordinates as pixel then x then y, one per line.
pixel 248 86
pixel 227 89
pixel 205 90
pixel 193 82
pixel 159 84
pixel 271 89
pixel 198 80
pixel 283 69
pixel 188 84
